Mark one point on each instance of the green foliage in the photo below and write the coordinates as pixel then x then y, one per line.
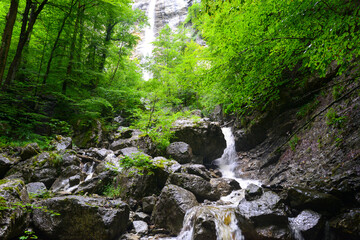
pixel 293 142
pixel 333 119
pixel 307 109
pixel 337 91
pixel 29 234
pixel 139 161
pixel 112 192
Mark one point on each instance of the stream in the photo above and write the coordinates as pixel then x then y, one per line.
pixel 222 213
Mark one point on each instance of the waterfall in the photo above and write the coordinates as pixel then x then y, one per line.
pixel 145 48
pixel 229 160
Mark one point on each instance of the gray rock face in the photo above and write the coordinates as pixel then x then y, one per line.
pixel 205 138
pixel 263 218
pixel 135 139
pixel 253 192
pixel 201 188
pixel 197 169
pixel 36 188
pixel 81 216
pixel 224 185
pixel 148 204
pixel 307 225
pixel 29 151
pixel 205 227
pixel 13 217
pixel 137 186
pixel 141 227
pixel 171 207
pixel 180 152
pixel 5 165
pixel 301 198
pixel 62 143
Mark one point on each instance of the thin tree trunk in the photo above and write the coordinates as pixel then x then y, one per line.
pixel 6 38
pixel 72 53
pixel 48 67
pixel 27 27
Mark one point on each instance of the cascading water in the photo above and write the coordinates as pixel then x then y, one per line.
pixel 146 47
pixel 223 216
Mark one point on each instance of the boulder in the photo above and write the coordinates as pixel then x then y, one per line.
pixel 204 137
pixel 136 184
pixel 29 151
pixel 36 188
pixel 5 165
pixel 253 192
pixel 148 204
pixel 249 138
pixel 140 227
pixel 180 152
pixel 205 227
pixel 14 217
pixel 62 143
pixel 263 218
pixel 81 216
pixel 134 138
pixel 171 207
pixel 224 185
pixel 96 184
pixel 201 188
pixel 301 198
pixel 347 225
pixel 197 169
pixel 307 225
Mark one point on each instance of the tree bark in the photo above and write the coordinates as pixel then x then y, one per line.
pixel 28 23
pixel 6 38
pixel 48 67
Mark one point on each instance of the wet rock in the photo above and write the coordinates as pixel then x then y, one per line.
pixel 253 192
pixel 74 180
pixel 29 151
pixel 130 236
pixel 180 152
pixel 197 169
pixel 79 216
pixel 224 185
pixel 36 188
pixel 148 204
pixel 205 228
pixel 307 225
pixel 301 198
pixel 347 225
pixel 201 188
pixel 136 184
pixel 171 207
pixel 13 218
pixel 5 165
pixel 140 216
pixel 249 138
pixel 70 158
pixel 62 143
pixel 205 138
pixel 140 227
pixel 265 211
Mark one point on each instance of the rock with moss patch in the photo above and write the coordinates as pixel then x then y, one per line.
pixel 81 216
pixel 5 165
pixel 14 215
pixel 29 151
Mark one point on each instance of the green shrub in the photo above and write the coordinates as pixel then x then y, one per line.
pixel 333 119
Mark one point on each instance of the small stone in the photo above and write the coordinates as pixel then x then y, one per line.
pixel 36 188
pixel 141 227
pixel 29 151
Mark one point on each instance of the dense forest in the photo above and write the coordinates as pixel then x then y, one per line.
pixel 67 67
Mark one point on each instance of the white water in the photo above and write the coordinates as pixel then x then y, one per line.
pixel 223 215
pixel 229 161
pixel 146 47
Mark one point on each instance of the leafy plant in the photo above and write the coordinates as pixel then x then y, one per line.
pixel 333 119
pixel 138 161
pixel 293 142
pixel 29 234
pixel 112 192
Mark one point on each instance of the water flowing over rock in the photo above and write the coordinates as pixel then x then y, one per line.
pixel 81 216
pixel 171 207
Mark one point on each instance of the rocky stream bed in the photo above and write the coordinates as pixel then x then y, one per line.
pixel 196 191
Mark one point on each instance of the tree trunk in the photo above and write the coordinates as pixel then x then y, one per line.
pixel 72 52
pixel 6 38
pixel 56 43
pixel 26 28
